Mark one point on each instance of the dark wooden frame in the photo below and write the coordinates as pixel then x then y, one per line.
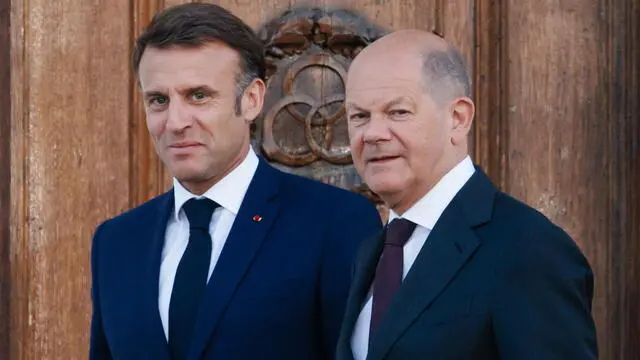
pixel 490 129
pixel 623 122
pixel 5 174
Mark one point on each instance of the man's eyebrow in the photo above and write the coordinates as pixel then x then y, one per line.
pixel 355 107
pixel 185 91
pixel 199 88
pixel 153 93
pixel 392 102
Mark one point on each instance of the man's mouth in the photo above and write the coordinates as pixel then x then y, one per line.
pixel 184 144
pixel 382 159
pixel 184 148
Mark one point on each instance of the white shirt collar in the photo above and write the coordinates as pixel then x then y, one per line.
pixel 428 209
pixel 228 192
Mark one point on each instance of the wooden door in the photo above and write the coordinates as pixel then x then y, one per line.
pixel 555 83
pixel 5 175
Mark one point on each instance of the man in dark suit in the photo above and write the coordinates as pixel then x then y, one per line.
pixel 462 270
pixel 238 260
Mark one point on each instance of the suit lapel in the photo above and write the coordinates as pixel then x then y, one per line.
pixel 363 276
pixel 242 245
pixel 448 248
pixel 158 224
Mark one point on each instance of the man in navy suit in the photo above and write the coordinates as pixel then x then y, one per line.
pixel 462 270
pixel 238 260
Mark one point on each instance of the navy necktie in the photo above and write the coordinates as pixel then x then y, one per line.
pixel 388 276
pixel 191 277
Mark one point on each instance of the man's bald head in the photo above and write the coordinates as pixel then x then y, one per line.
pixel 442 66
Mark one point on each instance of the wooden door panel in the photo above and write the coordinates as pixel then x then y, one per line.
pixel 5 174
pixel 69 164
pixel 566 141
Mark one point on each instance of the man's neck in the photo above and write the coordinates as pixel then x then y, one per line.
pixel 405 203
pixel 201 187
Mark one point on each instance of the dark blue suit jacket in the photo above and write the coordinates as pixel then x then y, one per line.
pixel 278 290
pixel 494 280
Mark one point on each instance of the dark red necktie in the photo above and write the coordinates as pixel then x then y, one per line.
pixel 388 275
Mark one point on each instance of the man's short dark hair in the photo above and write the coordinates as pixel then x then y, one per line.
pixel 445 74
pixel 194 25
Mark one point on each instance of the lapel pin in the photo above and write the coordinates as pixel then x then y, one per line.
pixel 257 218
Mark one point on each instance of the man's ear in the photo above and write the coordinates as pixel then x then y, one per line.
pixel 462 111
pixel 253 100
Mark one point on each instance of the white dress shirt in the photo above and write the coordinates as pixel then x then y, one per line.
pixel 424 213
pixel 228 193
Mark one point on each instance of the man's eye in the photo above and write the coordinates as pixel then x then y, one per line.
pixel 198 96
pixel 357 116
pixel 158 100
pixel 399 112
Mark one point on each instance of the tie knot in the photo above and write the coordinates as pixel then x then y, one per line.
pixel 199 212
pixel 399 231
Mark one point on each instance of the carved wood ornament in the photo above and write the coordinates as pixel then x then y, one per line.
pixel 304 128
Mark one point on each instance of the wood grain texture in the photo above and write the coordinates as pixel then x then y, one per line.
pixel 18 252
pixel 490 131
pixel 5 175
pixel 70 131
pixel 391 14
pixel 147 173
pixel 620 55
pixel 573 141
pixel 549 49
pixel 557 103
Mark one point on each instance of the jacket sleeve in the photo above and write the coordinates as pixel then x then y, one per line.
pixel 361 221
pixel 98 347
pixel 543 305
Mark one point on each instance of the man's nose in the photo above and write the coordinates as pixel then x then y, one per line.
pixel 377 129
pixel 178 117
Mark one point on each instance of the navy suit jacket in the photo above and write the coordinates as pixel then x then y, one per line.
pixel 494 280
pixel 279 288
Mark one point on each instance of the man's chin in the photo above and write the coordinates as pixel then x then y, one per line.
pixel 384 187
pixel 189 175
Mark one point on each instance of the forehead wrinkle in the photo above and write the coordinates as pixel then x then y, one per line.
pixel 194 65
pixel 181 89
pixel 382 95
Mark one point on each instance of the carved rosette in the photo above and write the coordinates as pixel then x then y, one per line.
pixel 304 128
